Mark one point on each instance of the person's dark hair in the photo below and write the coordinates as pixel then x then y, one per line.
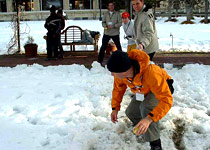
pixel 60 11
pixel 111 1
pixel 119 62
pixel 52 8
pixel 136 67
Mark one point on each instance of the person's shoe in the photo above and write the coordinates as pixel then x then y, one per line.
pixel 156 145
pixel 48 59
pixel 61 56
pixel 156 148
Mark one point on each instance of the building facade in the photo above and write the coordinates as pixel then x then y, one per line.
pixel 41 5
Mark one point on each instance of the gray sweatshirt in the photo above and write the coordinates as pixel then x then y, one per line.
pixel 113 19
pixel 129 32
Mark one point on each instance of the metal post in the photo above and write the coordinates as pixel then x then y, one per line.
pixel 172 37
pixel 41 5
pixel 31 4
pixel 100 5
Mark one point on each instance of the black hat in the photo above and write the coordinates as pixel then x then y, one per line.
pixel 119 62
pixel 52 8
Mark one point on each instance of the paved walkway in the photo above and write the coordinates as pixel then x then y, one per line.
pixel 178 59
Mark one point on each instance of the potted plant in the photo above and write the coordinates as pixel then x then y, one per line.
pixel 30 47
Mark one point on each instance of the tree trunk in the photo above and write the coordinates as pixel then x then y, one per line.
pixel 18 24
pixel 206 11
pixel 189 12
pixel 176 13
pixel 169 9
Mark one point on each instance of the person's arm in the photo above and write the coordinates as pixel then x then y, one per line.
pixel 148 31
pixel 119 21
pixel 114 114
pixel 46 23
pixel 142 126
pixel 159 87
pixel 117 95
pixel 104 24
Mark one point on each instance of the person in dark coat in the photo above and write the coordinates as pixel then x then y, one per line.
pixel 53 26
pixel 60 14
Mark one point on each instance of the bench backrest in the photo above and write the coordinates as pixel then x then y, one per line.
pixel 71 34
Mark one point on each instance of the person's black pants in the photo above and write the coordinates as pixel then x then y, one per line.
pixel 151 55
pixel 105 41
pixel 52 45
pixel 60 47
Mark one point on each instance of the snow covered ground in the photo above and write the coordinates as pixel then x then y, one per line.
pixel 68 107
pixel 185 37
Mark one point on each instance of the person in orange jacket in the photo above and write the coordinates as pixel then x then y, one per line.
pixel 153 93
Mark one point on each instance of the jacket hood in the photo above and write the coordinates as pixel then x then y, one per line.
pixel 141 57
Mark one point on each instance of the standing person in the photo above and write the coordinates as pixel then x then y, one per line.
pixel 60 14
pixel 53 26
pixel 144 28
pixel 111 23
pixel 129 31
pixel 153 93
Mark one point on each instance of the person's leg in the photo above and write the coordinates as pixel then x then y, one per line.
pixel 61 53
pixel 116 40
pixel 55 46
pixel 133 112
pixel 49 46
pixel 151 55
pixel 153 133
pixel 105 41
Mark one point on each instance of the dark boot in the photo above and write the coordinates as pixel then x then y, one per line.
pixel 156 145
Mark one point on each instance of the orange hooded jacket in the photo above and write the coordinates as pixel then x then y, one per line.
pixel 151 78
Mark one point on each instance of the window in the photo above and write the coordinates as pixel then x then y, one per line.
pixel 3 6
pixel 46 4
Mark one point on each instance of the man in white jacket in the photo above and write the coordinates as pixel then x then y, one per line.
pixel 129 31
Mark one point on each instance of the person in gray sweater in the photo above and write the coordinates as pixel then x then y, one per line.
pixel 111 23
pixel 144 28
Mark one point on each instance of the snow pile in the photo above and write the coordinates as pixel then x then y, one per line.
pixel 68 108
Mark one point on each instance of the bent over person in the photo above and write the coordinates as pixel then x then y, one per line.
pixel 153 93
pixel 111 23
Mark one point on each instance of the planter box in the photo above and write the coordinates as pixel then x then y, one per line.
pixel 31 50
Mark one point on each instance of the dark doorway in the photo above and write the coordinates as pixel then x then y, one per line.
pixel 3 6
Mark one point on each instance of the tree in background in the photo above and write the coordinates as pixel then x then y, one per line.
pixel 189 6
pixel 170 3
pixel 176 6
pixel 206 20
pixel 153 4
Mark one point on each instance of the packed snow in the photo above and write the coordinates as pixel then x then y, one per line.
pixel 68 107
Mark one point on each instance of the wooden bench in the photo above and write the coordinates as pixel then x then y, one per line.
pixel 70 37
